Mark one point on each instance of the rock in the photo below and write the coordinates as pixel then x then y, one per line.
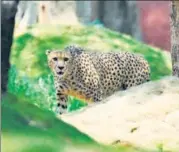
pixel 145 116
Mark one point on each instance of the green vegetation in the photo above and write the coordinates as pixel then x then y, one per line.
pixel 28 123
pixel 27 128
pixel 35 129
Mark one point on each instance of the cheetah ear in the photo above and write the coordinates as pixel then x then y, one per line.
pixel 47 52
pixel 74 50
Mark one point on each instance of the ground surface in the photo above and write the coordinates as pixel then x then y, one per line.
pixel 145 116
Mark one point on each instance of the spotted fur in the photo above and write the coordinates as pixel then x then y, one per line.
pixel 91 76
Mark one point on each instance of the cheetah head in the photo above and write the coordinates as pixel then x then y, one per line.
pixel 60 61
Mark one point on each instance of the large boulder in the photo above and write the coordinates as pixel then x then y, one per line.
pixel 145 116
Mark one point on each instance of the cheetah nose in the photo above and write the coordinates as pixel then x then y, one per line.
pixel 61 67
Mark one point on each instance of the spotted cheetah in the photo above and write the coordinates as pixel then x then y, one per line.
pixel 92 76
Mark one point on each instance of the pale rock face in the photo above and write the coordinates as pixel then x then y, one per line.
pixel 146 116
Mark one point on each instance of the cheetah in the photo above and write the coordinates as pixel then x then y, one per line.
pixel 92 76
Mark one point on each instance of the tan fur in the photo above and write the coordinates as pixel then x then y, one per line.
pixel 92 76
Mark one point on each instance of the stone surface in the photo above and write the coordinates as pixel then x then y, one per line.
pixel 145 116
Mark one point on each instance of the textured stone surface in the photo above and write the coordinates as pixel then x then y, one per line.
pixel 145 116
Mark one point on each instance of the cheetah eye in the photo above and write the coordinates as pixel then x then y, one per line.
pixel 65 59
pixel 55 59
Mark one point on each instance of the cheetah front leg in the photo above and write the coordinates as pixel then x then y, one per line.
pixel 62 98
